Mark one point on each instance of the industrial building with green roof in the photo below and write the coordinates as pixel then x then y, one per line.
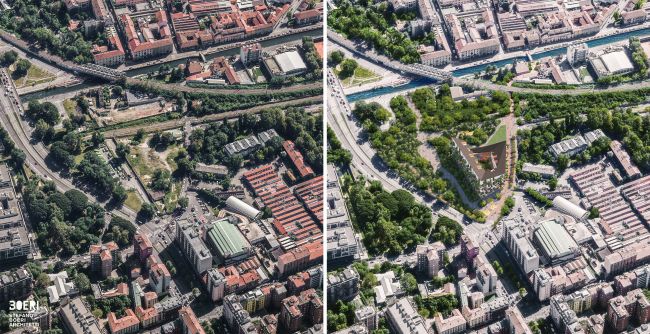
pixel 229 243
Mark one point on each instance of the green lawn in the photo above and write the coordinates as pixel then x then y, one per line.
pixel 361 76
pixel 35 75
pixel 70 106
pixel 133 201
pixel 498 136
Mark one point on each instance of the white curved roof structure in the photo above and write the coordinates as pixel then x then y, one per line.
pixel 239 206
pixel 565 206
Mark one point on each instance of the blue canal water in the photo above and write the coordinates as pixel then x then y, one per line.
pixel 479 68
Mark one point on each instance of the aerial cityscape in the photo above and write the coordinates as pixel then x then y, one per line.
pixel 161 166
pixel 340 166
pixel 488 167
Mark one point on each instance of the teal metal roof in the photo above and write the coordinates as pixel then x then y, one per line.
pixel 227 238
pixel 555 240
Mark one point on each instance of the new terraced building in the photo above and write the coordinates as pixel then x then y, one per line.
pixel 483 167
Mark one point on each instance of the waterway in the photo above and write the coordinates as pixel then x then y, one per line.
pixel 479 68
pixel 144 70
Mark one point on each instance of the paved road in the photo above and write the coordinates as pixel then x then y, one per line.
pixel 364 158
pixel 10 113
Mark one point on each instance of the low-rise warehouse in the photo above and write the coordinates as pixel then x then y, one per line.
pixel 229 243
pixel 555 242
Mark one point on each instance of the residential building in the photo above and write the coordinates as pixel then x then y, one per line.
pixel 104 258
pixel 297 159
pixel 147 38
pixel 483 167
pixel 519 246
pixel 569 147
pixel 468 38
pixel 343 285
pixel 429 258
pixel 342 245
pixel 189 323
pixel 388 289
pixel 577 53
pixel 403 318
pixel 300 258
pixel 15 285
pixel 298 311
pixel 624 160
pixel 250 53
pixel 189 239
pixel 455 323
pixel 159 278
pixel 516 322
pixel 632 17
pixel 367 316
pixel 142 247
pixel 127 324
pixel 77 318
pixel 15 245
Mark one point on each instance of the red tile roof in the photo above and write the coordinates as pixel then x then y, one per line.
pixel 117 325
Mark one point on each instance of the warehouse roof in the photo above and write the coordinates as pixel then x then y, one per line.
pixel 565 206
pixel 554 239
pixel 617 62
pixel 227 238
pixel 242 207
pixel 290 62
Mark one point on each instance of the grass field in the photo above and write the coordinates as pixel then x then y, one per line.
pixel 35 75
pixel 498 136
pixel 70 106
pixel 133 201
pixel 361 76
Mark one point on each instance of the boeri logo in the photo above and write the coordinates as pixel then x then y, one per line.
pixel 23 305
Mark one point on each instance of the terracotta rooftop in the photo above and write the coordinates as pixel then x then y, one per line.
pixel 129 320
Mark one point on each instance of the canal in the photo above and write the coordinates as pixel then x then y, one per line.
pixel 479 68
pixel 144 70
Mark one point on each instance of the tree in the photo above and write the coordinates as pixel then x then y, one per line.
pixel 42 131
pixel 8 58
pixel 78 201
pixel 18 157
pixel 336 57
pixel 139 136
pixel 183 202
pixel 62 202
pixel 348 66
pixel 21 68
pixel 447 230
pixel 147 211
pixel 161 180
pixel 122 150
pixel 97 138
pixel 562 162
pixel 119 194
pixel 409 283
pixel 46 111
pixel 82 283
